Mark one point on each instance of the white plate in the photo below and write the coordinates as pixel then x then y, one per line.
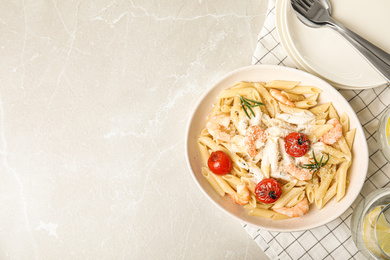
pixel 323 52
pixel 264 73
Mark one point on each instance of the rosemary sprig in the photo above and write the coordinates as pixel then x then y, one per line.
pixel 246 103
pixel 315 166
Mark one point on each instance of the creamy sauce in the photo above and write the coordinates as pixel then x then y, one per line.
pixel 257 174
pixel 302 118
pixel 243 124
pixel 256 120
pixel 281 175
pixel 272 151
pixel 243 164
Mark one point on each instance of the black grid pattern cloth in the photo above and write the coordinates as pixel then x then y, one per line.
pixel 333 240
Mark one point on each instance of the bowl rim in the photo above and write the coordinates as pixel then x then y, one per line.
pixel 211 87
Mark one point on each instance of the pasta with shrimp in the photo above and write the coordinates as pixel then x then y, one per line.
pixel 254 124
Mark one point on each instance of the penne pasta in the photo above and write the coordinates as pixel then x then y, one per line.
pixel 333 113
pixel 208 176
pixel 327 175
pixel 238 171
pixel 317 131
pixel 208 142
pixel 293 97
pixel 319 203
pixel 342 143
pixel 278 216
pixel 349 137
pixel 263 206
pixel 320 122
pixel 322 115
pixel 313 97
pixel 225 109
pixel 204 153
pixel 287 197
pixel 342 180
pixel 249 206
pixel 270 103
pixel 305 103
pixel 304 90
pixel 223 184
pixel 290 110
pixel 266 168
pixel 288 186
pixel 281 84
pixel 329 194
pixel 320 108
pixel 251 186
pixel 232 180
pixel 253 129
pixel 252 200
pixel 334 152
pixel 344 120
pixel 310 192
pixel 265 213
pixel 335 160
pixel 294 201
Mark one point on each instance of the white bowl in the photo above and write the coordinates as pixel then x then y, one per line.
pixel 264 73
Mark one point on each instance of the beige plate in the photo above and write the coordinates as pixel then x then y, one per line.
pixel 264 73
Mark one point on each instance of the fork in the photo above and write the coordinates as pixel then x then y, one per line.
pixel 314 14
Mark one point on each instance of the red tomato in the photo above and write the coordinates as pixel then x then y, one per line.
pixel 296 144
pixel 268 191
pixel 219 163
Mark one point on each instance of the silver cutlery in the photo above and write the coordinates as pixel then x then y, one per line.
pixel 317 13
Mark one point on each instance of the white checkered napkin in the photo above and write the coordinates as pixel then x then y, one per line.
pixel 333 240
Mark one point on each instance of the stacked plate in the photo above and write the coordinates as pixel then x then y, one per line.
pixel 323 52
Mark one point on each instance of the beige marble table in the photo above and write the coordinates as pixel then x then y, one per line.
pixel 94 102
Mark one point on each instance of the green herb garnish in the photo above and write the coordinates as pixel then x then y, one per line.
pixel 315 166
pixel 245 103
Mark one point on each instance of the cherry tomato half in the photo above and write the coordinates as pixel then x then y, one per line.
pixel 296 144
pixel 268 191
pixel 219 163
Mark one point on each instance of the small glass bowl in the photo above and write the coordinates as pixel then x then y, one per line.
pixel 383 237
pixel 380 197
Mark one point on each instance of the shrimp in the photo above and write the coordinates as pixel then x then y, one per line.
pixel 299 173
pixel 253 135
pixel 277 94
pixel 217 127
pixel 334 134
pixel 242 196
pixel 297 211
